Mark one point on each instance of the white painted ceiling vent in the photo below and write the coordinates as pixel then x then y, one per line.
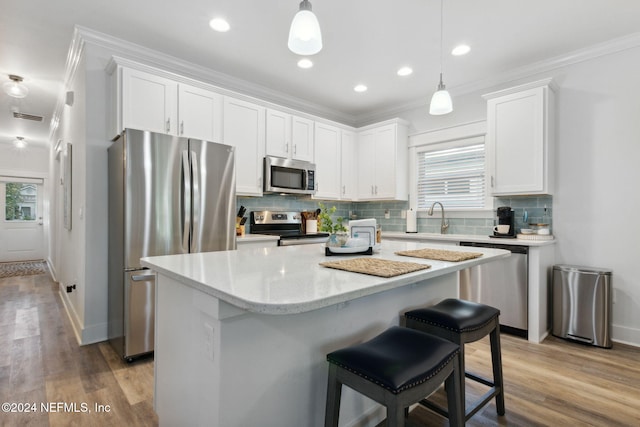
pixel 27 116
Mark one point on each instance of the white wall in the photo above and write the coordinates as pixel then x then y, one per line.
pixel 33 158
pixel 596 202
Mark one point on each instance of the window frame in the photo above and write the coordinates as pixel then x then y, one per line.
pixel 445 138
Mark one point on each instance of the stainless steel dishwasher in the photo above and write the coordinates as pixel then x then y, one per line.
pixel 502 284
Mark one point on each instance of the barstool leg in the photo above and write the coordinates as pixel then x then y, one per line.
pixel 334 394
pixel 496 361
pixel 461 379
pixel 454 395
pixel 395 414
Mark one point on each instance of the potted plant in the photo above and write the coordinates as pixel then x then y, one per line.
pixel 337 231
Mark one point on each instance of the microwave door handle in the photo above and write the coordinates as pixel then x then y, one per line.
pixel 186 200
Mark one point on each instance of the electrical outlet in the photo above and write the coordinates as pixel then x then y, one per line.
pixel 403 214
pixel 387 215
pixel 208 340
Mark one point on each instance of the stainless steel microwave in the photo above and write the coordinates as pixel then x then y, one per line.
pixel 289 176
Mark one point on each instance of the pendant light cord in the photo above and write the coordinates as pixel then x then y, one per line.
pixel 441 36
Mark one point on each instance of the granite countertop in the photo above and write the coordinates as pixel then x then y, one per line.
pixel 464 238
pixel 289 279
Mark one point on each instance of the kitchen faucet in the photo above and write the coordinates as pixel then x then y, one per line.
pixel 444 225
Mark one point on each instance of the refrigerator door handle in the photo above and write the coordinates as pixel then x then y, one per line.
pixel 143 277
pixel 195 191
pixel 185 209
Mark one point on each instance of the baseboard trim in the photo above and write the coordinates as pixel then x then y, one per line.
pixel 625 335
pixel 76 324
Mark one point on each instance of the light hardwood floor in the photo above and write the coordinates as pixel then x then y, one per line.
pixel 556 383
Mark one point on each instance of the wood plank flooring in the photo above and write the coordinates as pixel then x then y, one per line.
pixel 556 383
pixel 41 363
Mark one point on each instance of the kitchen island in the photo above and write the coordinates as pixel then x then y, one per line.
pixel 241 336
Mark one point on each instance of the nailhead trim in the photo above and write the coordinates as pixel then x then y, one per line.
pixel 403 388
pixel 469 329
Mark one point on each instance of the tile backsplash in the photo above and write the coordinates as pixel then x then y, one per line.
pixel 535 207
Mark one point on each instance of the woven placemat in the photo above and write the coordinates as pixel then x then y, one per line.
pixel 440 254
pixel 375 266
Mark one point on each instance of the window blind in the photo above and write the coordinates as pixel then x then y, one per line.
pixel 453 176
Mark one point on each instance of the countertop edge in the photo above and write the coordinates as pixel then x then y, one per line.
pixel 464 238
pixel 306 306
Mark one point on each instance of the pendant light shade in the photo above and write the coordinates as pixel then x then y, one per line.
pixel 305 37
pixel 15 87
pixel 441 100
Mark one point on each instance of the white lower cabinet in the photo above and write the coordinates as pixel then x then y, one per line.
pixel 244 128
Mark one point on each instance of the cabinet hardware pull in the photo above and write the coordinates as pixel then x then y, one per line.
pixel 295 148
pixel 372 193
pixel 169 125
pixel 491 181
pixel 182 127
pixel 376 189
pixel 286 147
pixel 344 190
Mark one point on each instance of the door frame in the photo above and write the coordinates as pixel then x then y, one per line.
pixel 46 204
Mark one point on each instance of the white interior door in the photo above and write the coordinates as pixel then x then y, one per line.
pixel 21 230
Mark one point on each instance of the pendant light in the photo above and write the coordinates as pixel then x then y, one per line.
pixel 305 37
pixel 441 100
pixel 15 87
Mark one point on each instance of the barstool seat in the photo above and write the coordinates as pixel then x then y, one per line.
pixel 462 322
pixel 397 369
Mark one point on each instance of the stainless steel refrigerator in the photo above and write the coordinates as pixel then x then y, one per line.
pixel 167 195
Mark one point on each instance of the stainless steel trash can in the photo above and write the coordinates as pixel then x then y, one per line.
pixel 582 304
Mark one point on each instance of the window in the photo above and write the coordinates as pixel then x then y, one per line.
pixel 452 173
pixel 20 201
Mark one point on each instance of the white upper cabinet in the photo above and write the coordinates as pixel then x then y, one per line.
pixel 148 102
pixel 520 139
pixel 327 159
pixel 199 113
pixel 382 162
pixel 348 165
pixel 302 138
pixel 244 128
pixel 288 136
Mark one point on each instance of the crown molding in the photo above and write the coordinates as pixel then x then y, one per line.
pixel 596 51
pixel 140 54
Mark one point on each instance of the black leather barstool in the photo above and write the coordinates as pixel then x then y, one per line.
pixel 396 369
pixel 462 322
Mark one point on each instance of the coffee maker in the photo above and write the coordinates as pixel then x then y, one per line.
pixel 506 217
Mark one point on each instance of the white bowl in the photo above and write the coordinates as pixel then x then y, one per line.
pixel 527 231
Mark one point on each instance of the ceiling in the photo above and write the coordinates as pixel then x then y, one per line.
pixel 365 41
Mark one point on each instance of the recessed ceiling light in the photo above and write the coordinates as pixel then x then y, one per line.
pixel 405 71
pixel 360 88
pixel 219 24
pixel 305 63
pixel 461 49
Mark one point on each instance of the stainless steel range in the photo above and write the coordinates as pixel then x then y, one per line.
pixel 287 225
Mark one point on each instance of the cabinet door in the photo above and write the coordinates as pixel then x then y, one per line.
pixel 384 141
pixel 278 135
pixel 516 136
pixel 327 156
pixel 302 139
pixel 348 166
pixel 200 113
pixel 149 102
pixel 366 165
pixel 244 128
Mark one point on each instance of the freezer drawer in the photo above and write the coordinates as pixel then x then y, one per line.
pixel 582 304
pixel 139 312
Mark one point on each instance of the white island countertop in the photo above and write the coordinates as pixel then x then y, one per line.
pixel 289 279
